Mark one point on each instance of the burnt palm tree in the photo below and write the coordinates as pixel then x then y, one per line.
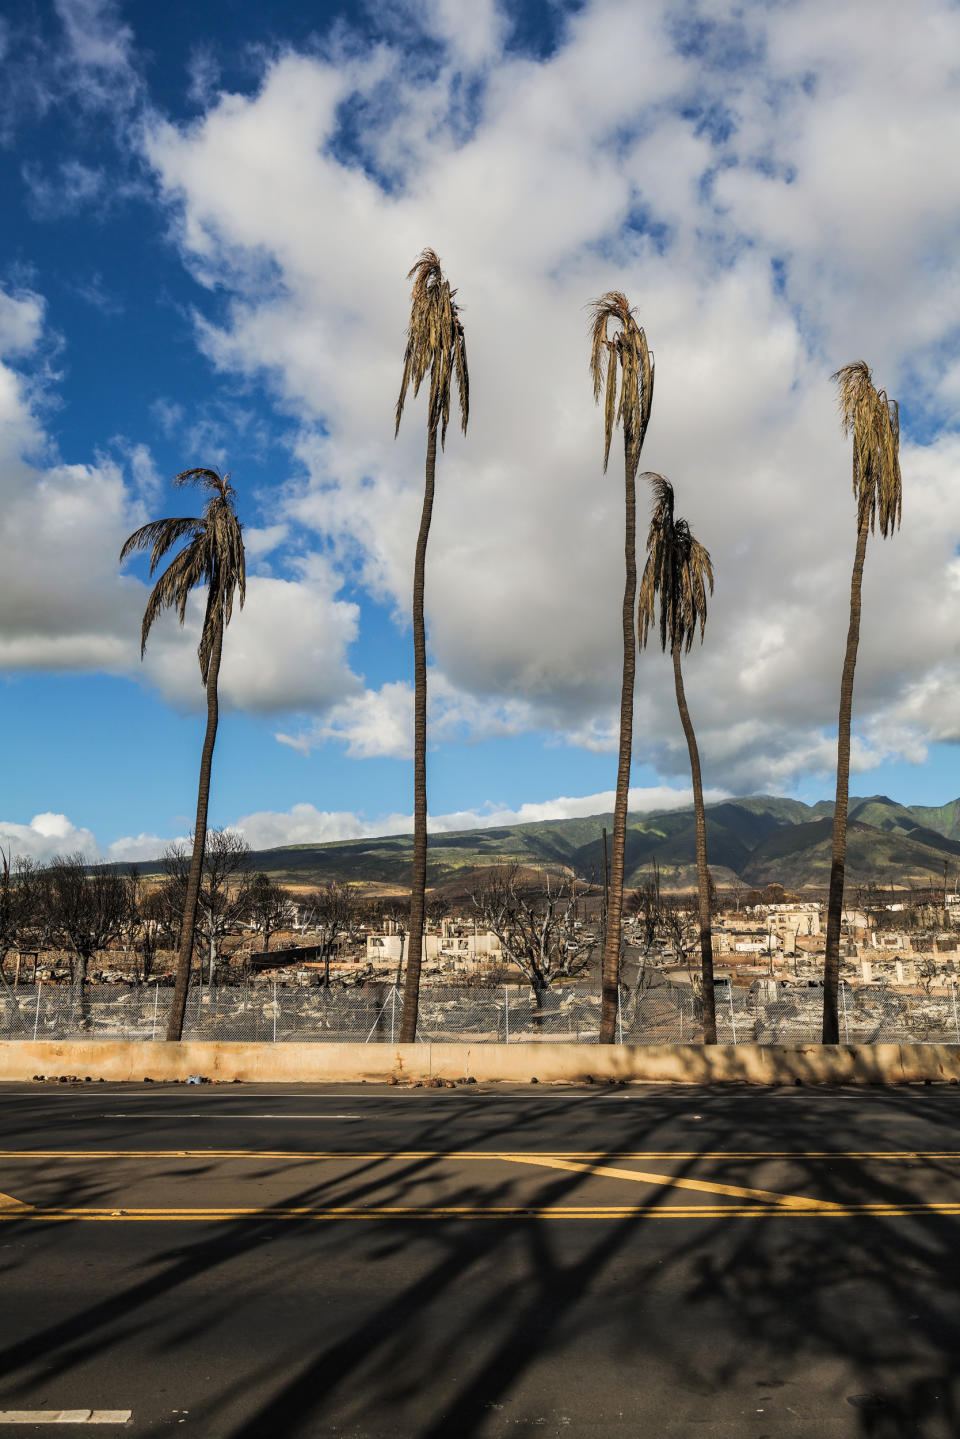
pixel 213 557
pixel 622 369
pixel 436 345
pixel 874 423
pixel 678 574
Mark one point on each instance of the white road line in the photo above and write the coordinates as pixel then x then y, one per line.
pixel 176 1114
pixel 65 1416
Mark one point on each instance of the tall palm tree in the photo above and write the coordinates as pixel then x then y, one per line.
pixel 678 571
pixel 436 344
pixel 213 556
pixel 621 356
pixel 874 423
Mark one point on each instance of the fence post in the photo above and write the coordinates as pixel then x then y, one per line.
pixel 506 1014
pixel 380 1013
pixel 36 1019
pixel 733 1022
pixel 956 1024
pixel 274 1011
pixel 619 1018
pixel 156 1001
pixel 843 1001
pixel 393 1010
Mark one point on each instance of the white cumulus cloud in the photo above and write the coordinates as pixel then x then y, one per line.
pixel 67 605
pixel 693 159
pixel 50 834
pixel 304 824
pixel 740 170
pixel 45 836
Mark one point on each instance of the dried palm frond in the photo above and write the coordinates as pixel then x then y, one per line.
pixel 678 571
pixel 874 423
pixel 626 351
pixel 435 342
pixel 214 557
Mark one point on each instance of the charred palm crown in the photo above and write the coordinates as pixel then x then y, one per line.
pixel 213 557
pixel 626 352
pixel 678 570
pixel 874 423
pixel 435 342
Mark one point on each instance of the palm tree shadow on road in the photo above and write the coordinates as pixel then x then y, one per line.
pixel 449 1326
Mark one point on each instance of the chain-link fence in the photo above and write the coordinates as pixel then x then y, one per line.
pixel 508 1014
pixel 268 1013
pixel 872 1014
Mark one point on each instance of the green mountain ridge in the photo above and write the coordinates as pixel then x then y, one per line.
pixel 757 840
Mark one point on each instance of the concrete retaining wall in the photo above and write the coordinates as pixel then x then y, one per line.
pixel 344 1063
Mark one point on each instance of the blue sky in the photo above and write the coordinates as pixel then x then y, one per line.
pixel 210 211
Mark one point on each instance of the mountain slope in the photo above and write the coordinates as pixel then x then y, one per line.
pixel 800 857
pixel 944 818
pixel 761 839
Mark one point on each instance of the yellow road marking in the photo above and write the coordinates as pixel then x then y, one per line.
pixel 577 1161
pixel 702 1211
pixel 9 1205
pixel 702 1186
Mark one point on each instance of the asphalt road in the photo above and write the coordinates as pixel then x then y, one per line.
pixel 358 1261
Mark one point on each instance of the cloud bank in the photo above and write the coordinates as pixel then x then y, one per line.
pixel 50 834
pixel 706 179
pixel 68 607
pixel 739 170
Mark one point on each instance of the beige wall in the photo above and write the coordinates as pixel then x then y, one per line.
pixel 350 1063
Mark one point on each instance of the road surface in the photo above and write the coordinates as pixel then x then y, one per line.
pixel 368 1261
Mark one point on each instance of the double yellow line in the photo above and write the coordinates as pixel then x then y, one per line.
pixel 459 1212
pixel 762 1202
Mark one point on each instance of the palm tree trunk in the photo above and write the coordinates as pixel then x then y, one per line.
pixel 178 1008
pixel 610 974
pixel 831 963
pixel 418 884
pixel 703 873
